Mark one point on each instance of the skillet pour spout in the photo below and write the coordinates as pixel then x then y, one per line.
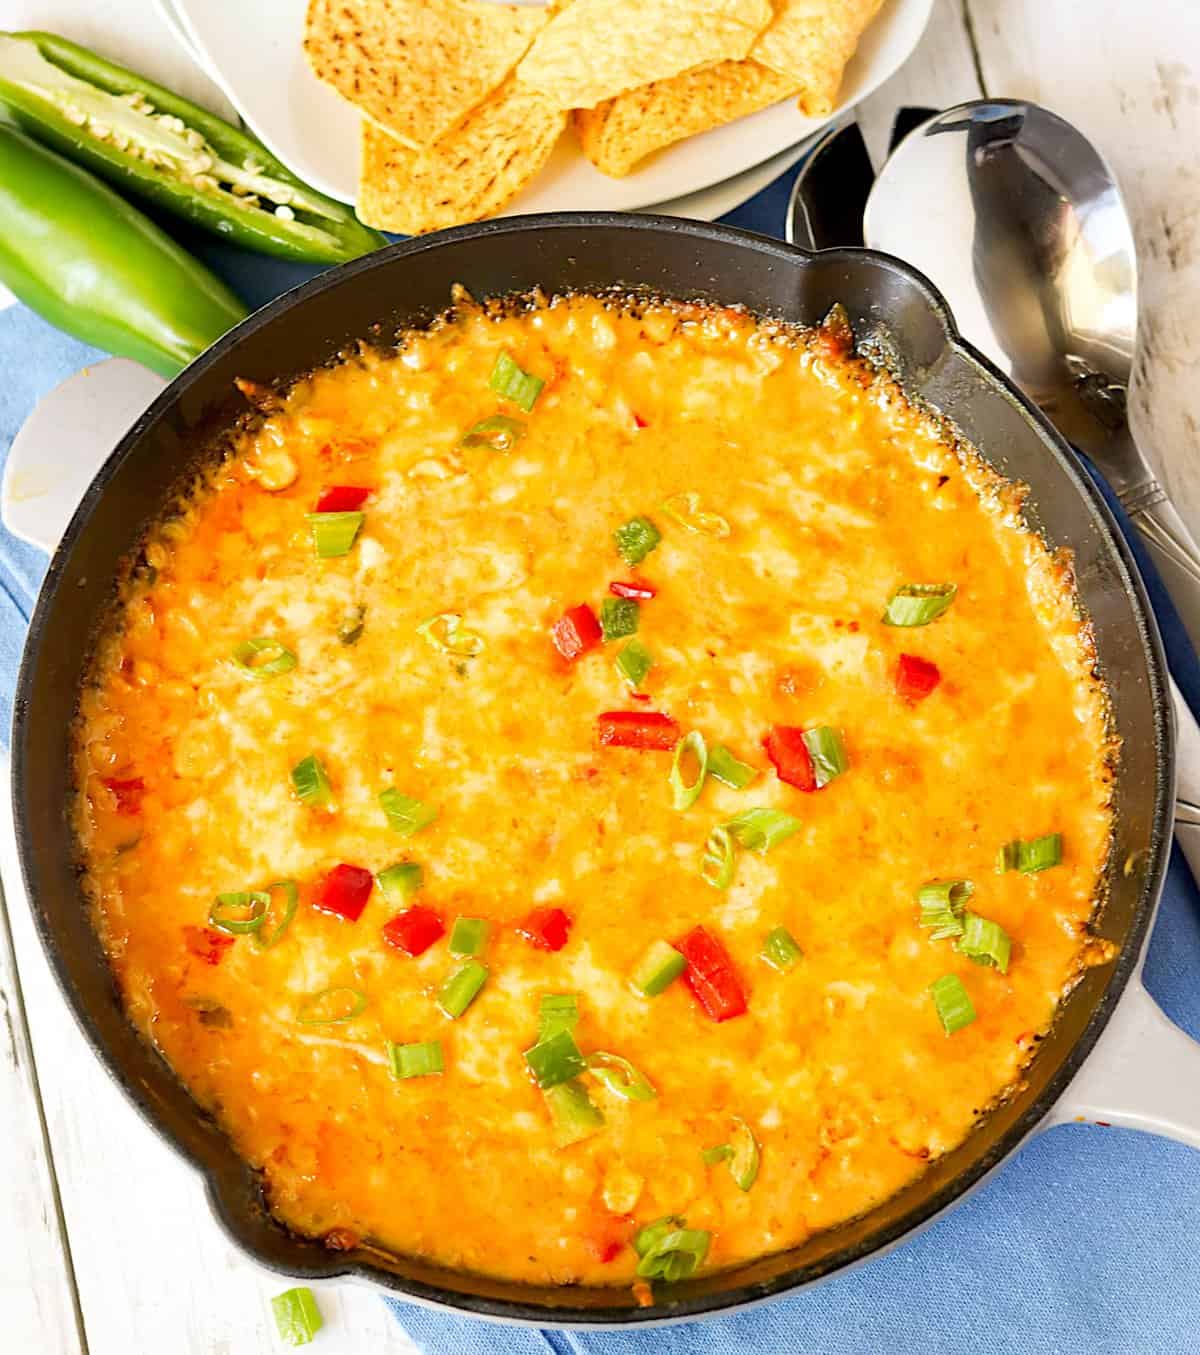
pixel 894 311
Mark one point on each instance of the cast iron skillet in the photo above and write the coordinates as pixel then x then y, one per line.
pixel 887 302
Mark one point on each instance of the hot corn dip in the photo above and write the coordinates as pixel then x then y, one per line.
pixel 597 790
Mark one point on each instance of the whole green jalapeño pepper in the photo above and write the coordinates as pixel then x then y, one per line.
pixel 77 253
pixel 146 140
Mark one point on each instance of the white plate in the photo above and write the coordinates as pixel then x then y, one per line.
pixel 175 24
pixel 254 53
pixel 708 204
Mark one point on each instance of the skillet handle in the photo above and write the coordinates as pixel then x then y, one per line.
pixel 65 441
pixel 1144 1073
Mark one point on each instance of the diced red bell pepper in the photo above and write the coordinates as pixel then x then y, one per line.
pixel 344 892
pixel 613 1234
pixel 711 976
pixel 343 498
pixel 638 421
pixel 790 758
pixel 633 588
pixel 127 793
pixel 916 678
pixel 545 928
pixel 414 930
pixel 206 944
pixel 637 729
pixel 576 631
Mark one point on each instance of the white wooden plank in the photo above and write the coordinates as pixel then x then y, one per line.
pixel 1129 77
pixel 154 1271
pixel 37 1294
pixel 940 72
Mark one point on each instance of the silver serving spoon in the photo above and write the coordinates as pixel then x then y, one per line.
pixel 1014 216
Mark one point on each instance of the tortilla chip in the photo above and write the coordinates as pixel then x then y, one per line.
pixel 596 49
pixel 812 41
pixel 416 68
pixel 472 172
pixel 620 132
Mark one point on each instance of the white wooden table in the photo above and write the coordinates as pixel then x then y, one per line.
pixel 106 1243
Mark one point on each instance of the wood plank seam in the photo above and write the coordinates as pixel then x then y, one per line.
pixel 968 22
pixel 20 1049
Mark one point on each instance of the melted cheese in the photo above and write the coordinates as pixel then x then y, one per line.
pixel 836 492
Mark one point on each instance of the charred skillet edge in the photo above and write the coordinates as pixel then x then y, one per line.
pixel 230 1184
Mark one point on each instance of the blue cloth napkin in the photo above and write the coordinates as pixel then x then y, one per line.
pixel 1087 1241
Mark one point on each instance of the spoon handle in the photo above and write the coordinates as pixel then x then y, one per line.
pixel 1173 548
pixel 1187 780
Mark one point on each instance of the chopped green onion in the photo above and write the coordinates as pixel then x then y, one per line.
pixel 265 940
pixel 446 632
pixel 684 796
pixel 350 627
pixel 781 950
pixel 661 965
pixel 917 604
pixel 333 533
pixel 669 1250
pixel 500 433
pixel 248 657
pixel 469 936
pixel 557 1011
pixel 743 1164
pixel 462 988
pixel 331 1006
pixel 942 903
pixel 555 1059
pixel 716 868
pixel 400 882
pixel 297 1316
pixel 405 815
pixel 636 539
pixel 685 509
pixel 571 1109
pixel 828 753
pixel 1040 853
pixel 618 618
pixel 621 1077
pixel 1031 855
pixel 634 662
pixel 311 784
pixel 238 914
pixel 985 942
pixel 954 1007
pixel 648 1238
pixel 726 768
pixel 760 829
pixel 415 1060
pixel 717 1154
pixel 513 383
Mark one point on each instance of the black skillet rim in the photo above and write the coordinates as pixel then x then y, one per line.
pixel 928 1208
